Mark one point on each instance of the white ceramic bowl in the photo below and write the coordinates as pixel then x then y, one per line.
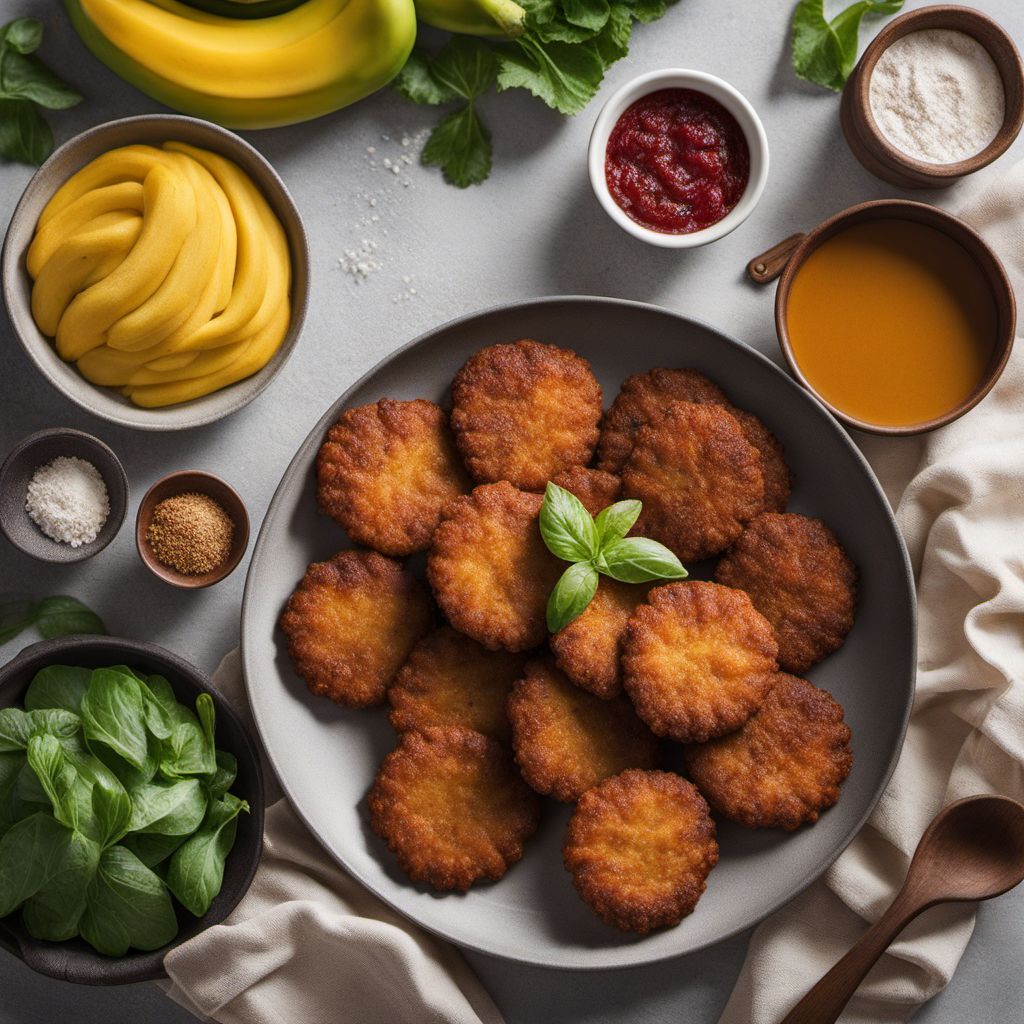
pixel 717 89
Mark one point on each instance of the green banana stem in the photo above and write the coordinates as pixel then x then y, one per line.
pixel 510 17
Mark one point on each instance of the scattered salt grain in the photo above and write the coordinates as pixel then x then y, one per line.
pixel 67 499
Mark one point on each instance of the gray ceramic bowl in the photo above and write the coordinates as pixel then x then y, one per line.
pixel 151 129
pixel 75 960
pixel 19 466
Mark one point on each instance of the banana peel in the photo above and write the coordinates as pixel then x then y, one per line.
pixel 250 73
pixel 493 19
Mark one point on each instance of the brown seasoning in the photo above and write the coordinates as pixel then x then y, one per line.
pixel 190 533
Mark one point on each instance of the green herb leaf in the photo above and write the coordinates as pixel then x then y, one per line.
pixel 564 75
pixel 15 616
pixel 31 853
pixel 416 83
pixel 825 52
pixel 591 14
pixel 17 726
pixel 567 527
pixel 639 559
pixel 23 35
pixel 26 77
pixel 113 714
pixel 69 795
pixel 460 145
pixel 465 67
pixel 613 40
pixel 168 808
pixel 66 616
pixel 58 686
pixel 615 521
pixel 571 595
pixel 55 910
pixel 150 848
pixel 220 781
pixel 647 11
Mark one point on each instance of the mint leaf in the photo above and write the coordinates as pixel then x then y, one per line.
pixel 571 595
pixel 416 83
pixel 461 146
pixel 564 75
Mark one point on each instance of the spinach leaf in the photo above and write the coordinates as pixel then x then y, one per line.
pixel 17 726
pixel 175 808
pixel 191 749
pixel 111 806
pixel 162 690
pixel 224 777
pixel 53 913
pixel 58 686
pixel 196 870
pixel 127 906
pixel 15 616
pixel 12 807
pixel 150 848
pixel 66 616
pixel 113 714
pixel 32 852
pixel 70 795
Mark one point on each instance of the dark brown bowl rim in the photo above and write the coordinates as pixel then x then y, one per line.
pixel 939 219
pixel 1013 116
pixel 217 488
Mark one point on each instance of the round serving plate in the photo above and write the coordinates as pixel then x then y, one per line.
pixel 326 756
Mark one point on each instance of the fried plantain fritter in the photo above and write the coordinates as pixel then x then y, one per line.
pixel 489 568
pixel 596 489
pixel 449 679
pixel 385 471
pixel 350 624
pixel 778 478
pixel 524 411
pixel 566 741
pixel 698 477
pixel 640 847
pixel 589 649
pixel 451 807
pixel 784 766
pixel 697 660
pixel 800 579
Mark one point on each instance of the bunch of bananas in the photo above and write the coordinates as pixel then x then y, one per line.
pixel 162 271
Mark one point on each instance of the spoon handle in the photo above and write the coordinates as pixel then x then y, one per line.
pixel 825 1002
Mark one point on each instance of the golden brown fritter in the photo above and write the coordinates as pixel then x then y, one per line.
pixel 566 741
pixel 489 568
pixel 697 660
pixel 350 624
pixel 642 399
pixel 640 847
pixel 800 579
pixel 523 412
pixel 596 489
pixel 698 477
pixel 784 766
pixel 778 478
pixel 589 649
pixel 450 679
pixel 451 807
pixel 385 471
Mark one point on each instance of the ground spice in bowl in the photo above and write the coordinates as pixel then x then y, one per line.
pixel 190 533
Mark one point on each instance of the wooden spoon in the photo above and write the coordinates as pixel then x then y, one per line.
pixel 972 850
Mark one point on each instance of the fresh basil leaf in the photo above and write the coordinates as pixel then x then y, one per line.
pixel 62 615
pixel 26 77
pixel 460 145
pixel 571 595
pixel 58 686
pixel 567 527
pixel 564 75
pixel 639 559
pixel 150 848
pixel 224 777
pixel 23 35
pixel 17 726
pixel 615 521
pixel 127 906
pixel 196 871
pixel 416 83
pixel 175 808
pixel 113 714
pixel 55 910
pixel 31 853
pixel 15 616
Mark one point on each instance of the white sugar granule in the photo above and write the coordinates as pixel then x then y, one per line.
pixel 936 95
pixel 67 499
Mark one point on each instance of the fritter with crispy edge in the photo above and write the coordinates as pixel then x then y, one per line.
pixel 778 478
pixel 490 570
pixel 800 579
pixel 449 679
pixel 451 807
pixel 784 766
pixel 698 477
pixel 350 624
pixel 385 471
pixel 640 847
pixel 589 649
pixel 697 660
pixel 641 400
pixel 523 412
pixel 596 489
pixel 566 741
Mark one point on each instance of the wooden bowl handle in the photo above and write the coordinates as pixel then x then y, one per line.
pixel 766 267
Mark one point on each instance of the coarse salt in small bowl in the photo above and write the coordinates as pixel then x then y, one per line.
pixel 715 88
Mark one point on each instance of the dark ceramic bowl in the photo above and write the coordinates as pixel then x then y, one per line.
pixel 37 450
pixel 76 961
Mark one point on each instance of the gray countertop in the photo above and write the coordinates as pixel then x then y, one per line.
pixel 533 229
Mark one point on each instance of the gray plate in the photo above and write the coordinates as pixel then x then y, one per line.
pixel 326 756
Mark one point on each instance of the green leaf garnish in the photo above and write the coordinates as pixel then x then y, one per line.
pixel 571 595
pixel 639 559
pixel 567 527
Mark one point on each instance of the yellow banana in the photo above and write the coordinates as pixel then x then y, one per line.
pixel 111 368
pixel 198 364
pixel 498 19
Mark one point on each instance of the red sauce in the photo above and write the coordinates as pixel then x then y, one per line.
pixel 677 161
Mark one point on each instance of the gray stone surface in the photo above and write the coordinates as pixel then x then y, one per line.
pixel 533 229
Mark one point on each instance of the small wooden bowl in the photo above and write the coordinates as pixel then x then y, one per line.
pixel 192 482
pixel 29 455
pixel 788 257
pixel 866 140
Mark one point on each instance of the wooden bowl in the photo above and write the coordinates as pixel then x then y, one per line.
pixel 37 450
pixel 192 482
pixel 76 961
pixel 865 138
pixel 788 257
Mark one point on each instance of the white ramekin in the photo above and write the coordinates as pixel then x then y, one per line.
pixel 717 89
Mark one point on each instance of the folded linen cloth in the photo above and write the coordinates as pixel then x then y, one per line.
pixel 309 944
pixel 962 515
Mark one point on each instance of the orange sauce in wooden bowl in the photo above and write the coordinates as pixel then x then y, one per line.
pixel 891 322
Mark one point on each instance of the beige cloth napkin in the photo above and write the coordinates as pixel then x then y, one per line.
pixel 962 515
pixel 309 945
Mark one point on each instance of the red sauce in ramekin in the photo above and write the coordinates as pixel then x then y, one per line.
pixel 677 161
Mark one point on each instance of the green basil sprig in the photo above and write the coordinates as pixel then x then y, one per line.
pixel 595 547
